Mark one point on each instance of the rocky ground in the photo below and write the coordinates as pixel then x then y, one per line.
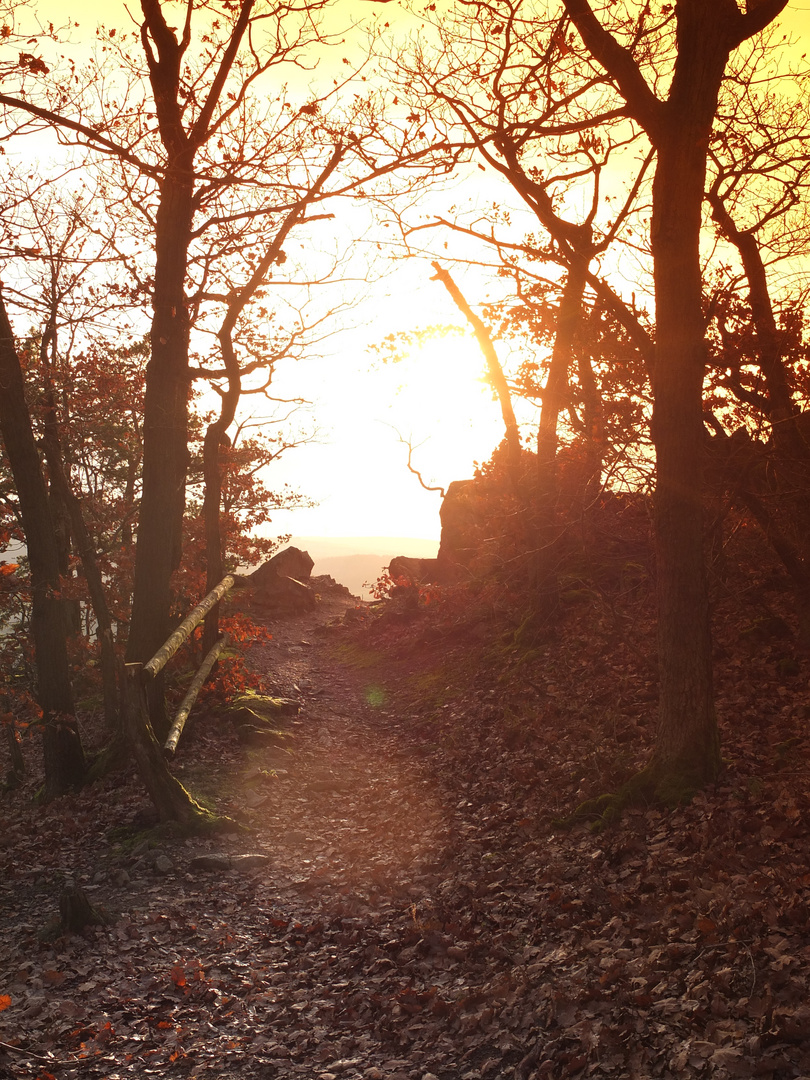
pixel 398 903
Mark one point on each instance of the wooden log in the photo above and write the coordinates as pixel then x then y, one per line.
pixel 179 723
pixel 181 634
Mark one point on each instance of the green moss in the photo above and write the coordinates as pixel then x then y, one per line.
pixel 110 759
pixel 788 667
pixel 353 654
pixel 128 837
pixel 656 785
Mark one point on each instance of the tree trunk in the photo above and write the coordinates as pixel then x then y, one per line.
pixel 555 398
pixel 165 437
pixel 213 528
pixel 687 731
pixel 494 368
pixel 170 798
pixel 790 445
pixel 62 492
pixel 687 751
pixel 63 754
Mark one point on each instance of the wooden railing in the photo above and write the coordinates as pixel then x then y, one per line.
pixel 170 647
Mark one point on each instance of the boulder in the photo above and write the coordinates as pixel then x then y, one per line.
pixel 461 517
pixel 462 521
pixel 279 585
pixel 277 594
pixel 292 562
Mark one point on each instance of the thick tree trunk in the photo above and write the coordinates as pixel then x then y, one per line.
pixel 170 798
pixel 165 437
pixel 687 752
pixel 63 754
pixel 688 741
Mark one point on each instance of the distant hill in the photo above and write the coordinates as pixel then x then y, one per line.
pixel 355 560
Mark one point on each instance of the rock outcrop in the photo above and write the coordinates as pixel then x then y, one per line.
pixel 280 585
pixel 461 518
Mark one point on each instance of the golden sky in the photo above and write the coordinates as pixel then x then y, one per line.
pixel 356 469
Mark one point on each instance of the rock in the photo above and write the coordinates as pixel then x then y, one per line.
pixel 253 861
pixel 325 583
pixel 163 864
pixel 291 562
pixel 280 584
pixel 461 518
pixel 283 595
pixel 210 862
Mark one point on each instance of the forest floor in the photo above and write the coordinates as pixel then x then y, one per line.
pixel 398 903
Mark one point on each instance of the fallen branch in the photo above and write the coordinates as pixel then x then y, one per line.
pixel 186 704
pixel 194 618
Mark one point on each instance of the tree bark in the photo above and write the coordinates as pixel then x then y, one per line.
pixel 687 731
pixel 165 435
pixel 62 749
pixel 170 798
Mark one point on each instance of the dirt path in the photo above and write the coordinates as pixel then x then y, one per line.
pixel 342 805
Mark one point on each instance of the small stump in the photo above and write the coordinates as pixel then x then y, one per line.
pixel 76 911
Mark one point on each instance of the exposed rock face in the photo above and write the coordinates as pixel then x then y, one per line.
pixel 460 515
pixel 325 583
pixel 461 518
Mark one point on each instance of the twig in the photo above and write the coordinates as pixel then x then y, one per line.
pixel 50 1060
pixel 38 1057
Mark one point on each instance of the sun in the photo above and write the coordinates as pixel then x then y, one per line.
pixel 434 398
pixel 440 402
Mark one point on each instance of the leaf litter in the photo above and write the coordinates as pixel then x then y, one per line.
pixel 403 906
